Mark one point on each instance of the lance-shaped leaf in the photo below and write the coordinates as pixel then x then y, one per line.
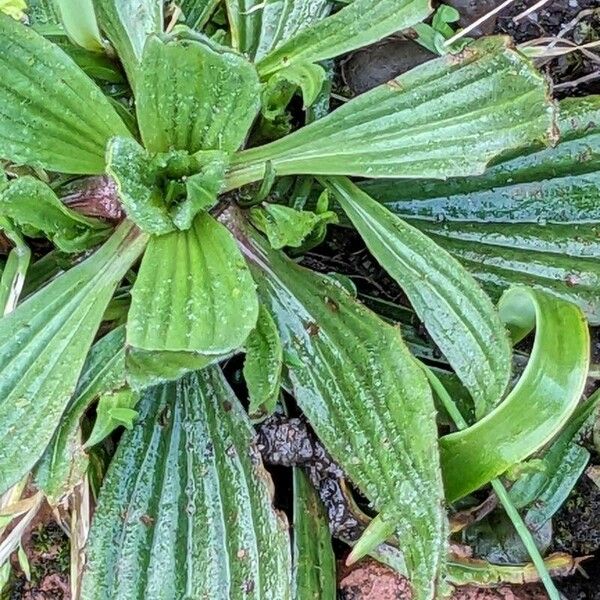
pixel 314 560
pixel 360 23
pixel 79 22
pixel 193 293
pixel 43 345
pixel 35 208
pixel 448 117
pixel 195 95
pixel 540 403
pixel 64 462
pixel 52 114
pixel 263 365
pixel 185 510
pixel 365 396
pixel 127 24
pixel 534 219
pixel 458 314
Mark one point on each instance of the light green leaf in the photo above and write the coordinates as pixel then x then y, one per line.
pixel 537 407
pixel 448 117
pixel 79 21
pixel 306 76
pixel 35 208
pixel 532 220
pixel 358 24
pixel 43 345
pixel 263 365
pixel 314 560
pixel 285 226
pixel 135 176
pixel 64 462
pixel 127 24
pixel 202 189
pixel 195 95
pixel 115 409
pixel 193 293
pixel 455 310
pixel 185 510
pixel 58 127
pixel 13 8
pixel 364 396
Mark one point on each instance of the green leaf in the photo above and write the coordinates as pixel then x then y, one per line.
pixel 537 407
pixel 195 95
pixel 257 27
pixel 197 12
pixel 447 117
pixel 358 24
pixel 306 76
pixel 365 396
pixel 285 226
pixel 533 219
pixel 457 313
pixel 314 560
pixel 263 365
pixel 58 127
pixel 64 462
pixel 43 345
pixel 127 24
pixel 35 208
pixel 135 176
pixel 79 22
pixel 115 409
pixel 193 293
pixel 185 510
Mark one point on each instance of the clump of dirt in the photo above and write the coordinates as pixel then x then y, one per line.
pixel 370 580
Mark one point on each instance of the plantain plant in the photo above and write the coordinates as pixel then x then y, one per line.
pixel 184 130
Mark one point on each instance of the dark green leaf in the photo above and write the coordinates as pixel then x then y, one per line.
pixel 127 24
pixel 534 219
pixel 364 395
pixel 193 293
pixel 285 226
pixel 197 12
pixel 263 365
pixel 314 560
pixel 537 407
pixel 36 210
pixel 358 24
pixel 445 118
pixel 457 313
pixel 64 462
pixel 185 510
pixel 43 345
pixel 52 115
pixel 195 95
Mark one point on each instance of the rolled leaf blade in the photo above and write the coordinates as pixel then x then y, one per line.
pixel 185 509
pixel 537 407
pixel 364 395
pixel 456 312
pixel 445 118
pixel 53 115
pixel 43 346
